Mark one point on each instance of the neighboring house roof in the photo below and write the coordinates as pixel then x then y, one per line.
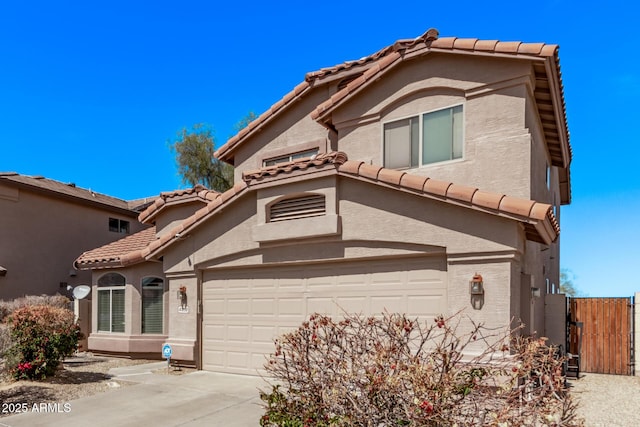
pixel 548 90
pixel 67 191
pixel 537 218
pixel 121 253
pixel 171 198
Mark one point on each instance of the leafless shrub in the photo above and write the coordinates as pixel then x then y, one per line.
pixel 8 307
pixel 393 370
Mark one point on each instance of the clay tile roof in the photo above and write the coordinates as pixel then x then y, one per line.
pixel 224 152
pixel 549 95
pixel 197 193
pixel 538 219
pixel 539 222
pixel 316 161
pixel 65 190
pixel 120 253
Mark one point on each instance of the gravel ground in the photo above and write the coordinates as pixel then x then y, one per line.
pixel 604 400
pixel 607 400
pixel 83 375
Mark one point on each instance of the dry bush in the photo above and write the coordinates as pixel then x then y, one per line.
pixel 8 307
pixel 394 371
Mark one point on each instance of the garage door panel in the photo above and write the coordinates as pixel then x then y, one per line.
pixel 238 306
pixel 245 310
pixel 380 304
pixel 320 305
pixel 263 306
pixel 215 332
pixel 426 305
pixel 263 334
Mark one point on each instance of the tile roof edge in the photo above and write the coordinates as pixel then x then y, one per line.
pixel 523 210
pixel 223 153
pixel 317 161
pixel 113 261
pixel 196 193
pixel 111 202
pixel 192 222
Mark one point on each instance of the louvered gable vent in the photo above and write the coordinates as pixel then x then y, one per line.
pixel 298 207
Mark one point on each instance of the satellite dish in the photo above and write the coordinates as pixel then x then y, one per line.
pixel 81 291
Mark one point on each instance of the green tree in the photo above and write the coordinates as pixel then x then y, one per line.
pixel 244 122
pixel 566 283
pixel 196 164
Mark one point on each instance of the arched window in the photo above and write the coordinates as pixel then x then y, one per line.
pixel 111 302
pixel 152 306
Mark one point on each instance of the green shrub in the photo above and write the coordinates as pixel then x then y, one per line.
pixel 42 337
pixel 396 371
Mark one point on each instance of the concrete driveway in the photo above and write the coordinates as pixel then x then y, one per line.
pixel 194 399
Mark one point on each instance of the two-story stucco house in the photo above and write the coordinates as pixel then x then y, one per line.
pixel 388 183
pixel 44 224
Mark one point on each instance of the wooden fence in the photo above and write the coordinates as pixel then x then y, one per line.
pixel 607 334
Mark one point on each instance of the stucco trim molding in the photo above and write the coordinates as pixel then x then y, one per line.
pixel 304 228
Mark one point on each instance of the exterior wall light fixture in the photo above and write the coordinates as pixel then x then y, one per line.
pixel 476 286
pixel 476 289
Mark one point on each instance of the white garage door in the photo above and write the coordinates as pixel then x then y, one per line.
pixel 244 310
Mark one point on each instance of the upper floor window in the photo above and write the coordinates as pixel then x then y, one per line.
pixel 424 139
pixel 118 225
pixel 290 157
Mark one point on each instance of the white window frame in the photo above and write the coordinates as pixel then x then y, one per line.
pixel 420 117
pixel 290 157
pixel 152 286
pixel 103 289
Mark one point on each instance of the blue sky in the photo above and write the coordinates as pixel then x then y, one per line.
pixel 92 92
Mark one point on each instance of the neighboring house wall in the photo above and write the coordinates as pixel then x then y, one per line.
pixel 42 234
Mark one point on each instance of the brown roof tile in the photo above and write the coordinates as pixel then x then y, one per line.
pixel 120 253
pixel 380 62
pixel 436 187
pixel 487 200
pixel 537 218
pixel 317 161
pixel 413 182
pixel 224 151
pixel 197 193
pixel 66 190
pixel 390 176
pixel 461 193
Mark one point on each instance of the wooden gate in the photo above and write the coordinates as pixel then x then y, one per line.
pixel 607 334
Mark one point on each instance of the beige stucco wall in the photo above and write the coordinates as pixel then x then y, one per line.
pixel 42 236
pixel 492 94
pixel 173 215
pixel 293 128
pixel 377 223
pixel 132 340
pixel 183 322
